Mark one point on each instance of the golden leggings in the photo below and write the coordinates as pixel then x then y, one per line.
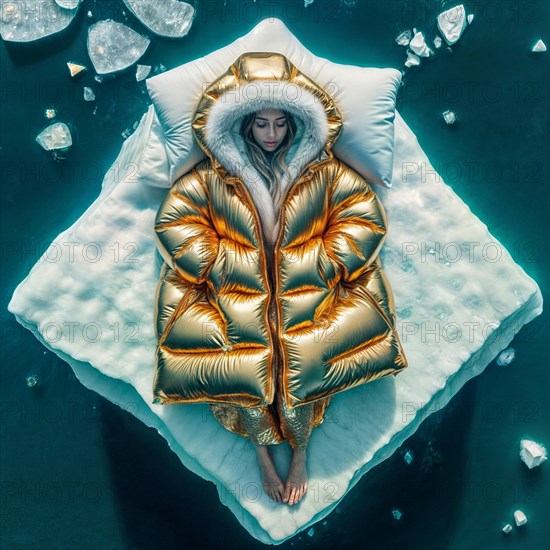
pixel 273 424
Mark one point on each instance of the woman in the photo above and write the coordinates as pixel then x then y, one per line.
pixel 272 298
pixel 268 135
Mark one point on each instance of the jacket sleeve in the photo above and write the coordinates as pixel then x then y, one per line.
pixel 184 233
pixel 357 223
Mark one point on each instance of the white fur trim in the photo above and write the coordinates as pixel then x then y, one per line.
pixel 222 135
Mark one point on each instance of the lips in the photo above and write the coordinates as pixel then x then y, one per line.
pixel 270 143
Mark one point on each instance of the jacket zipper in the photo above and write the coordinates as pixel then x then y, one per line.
pixel 276 253
pixel 276 341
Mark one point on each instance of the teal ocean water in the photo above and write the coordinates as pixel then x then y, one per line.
pixel 79 472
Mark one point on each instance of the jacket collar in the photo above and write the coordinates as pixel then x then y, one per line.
pixel 256 81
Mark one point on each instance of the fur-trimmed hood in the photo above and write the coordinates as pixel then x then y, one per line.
pixel 257 81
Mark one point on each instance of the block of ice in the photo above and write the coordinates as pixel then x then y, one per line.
pixel 449 116
pixel 88 94
pixel 540 46
pixel 75 68
pixel 418 45
pixel 461 311
pixel 403 38
pixel 113 46
pixel 507 528
pixel 28 20
pixel 452 23
pixel 142 72
pixel 169 18
pixel 68 4
pixel 412 59
pixel 532 453
pixel 506 357
pixel 55 136
pixel 520 518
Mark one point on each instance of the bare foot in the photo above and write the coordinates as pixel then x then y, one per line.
pixel 273 485
pixel 296 483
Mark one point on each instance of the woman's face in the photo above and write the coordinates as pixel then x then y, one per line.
pixel 269 128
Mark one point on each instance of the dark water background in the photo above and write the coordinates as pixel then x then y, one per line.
pixel 79 472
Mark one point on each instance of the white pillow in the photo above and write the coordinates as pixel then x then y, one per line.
pixel 366 97
pixel 153 168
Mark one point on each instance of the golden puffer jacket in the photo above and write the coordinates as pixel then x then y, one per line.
pixel 248 294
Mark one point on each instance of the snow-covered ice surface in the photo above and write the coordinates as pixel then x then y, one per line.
pixel 460 300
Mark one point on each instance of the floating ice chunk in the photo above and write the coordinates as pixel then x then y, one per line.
pixel 88 94
pixel 418 45
pixel 520 517
pixel 55 136
pixel 540 46
pixel 311 532
pixel 532 453
pixel 32 380
pixel 50 113
pixel 452 23
pixel 397 514
pixel 449 117
pixel 507 528
pixel 75 68
pixel 169 18
pixel 412 59
pixel 68 4
pixel 89 15
pixel 307 3
pixel 470 18
pixel 98 78
pixel 404 38
pixel 113 46
pixel 506 357
pixel 408 457
pixel 142 72
pixel 438 42
pixel 28 20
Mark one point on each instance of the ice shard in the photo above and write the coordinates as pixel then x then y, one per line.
pixel 75 68
pixel 540 46
pixel 88 94
pixel 506 357
pixel 452 23
pixel 68 4
pixel 532 453
pixel 520 518
pixel 169 18
pixel 113 46
pixel 56 136
pixel 142 72
pixel 419 47
pixel 29 20
pixel 404 38
pixel 412 59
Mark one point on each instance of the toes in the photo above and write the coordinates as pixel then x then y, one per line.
pixel 292 499
pixel 287 493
